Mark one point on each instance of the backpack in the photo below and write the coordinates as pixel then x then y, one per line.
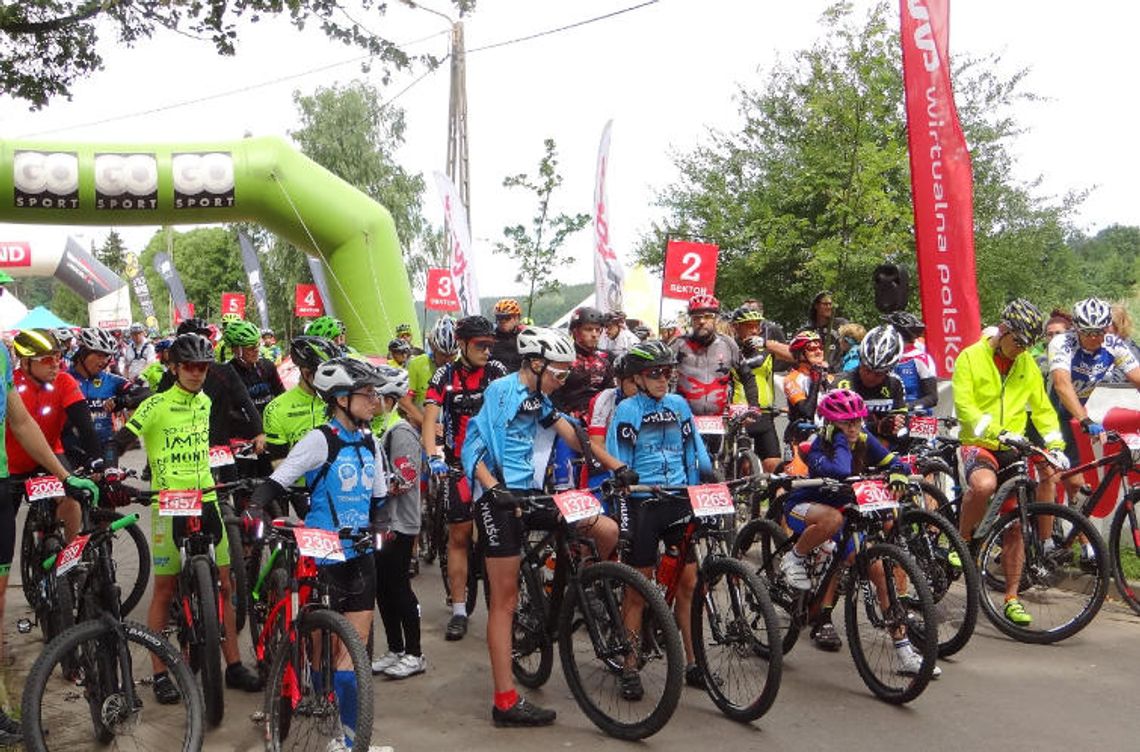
pixel 335 444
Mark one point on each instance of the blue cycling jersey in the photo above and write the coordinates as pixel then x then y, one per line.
pixel 97 390
pixel 658 440
pixel 1087 369
pixel 504 433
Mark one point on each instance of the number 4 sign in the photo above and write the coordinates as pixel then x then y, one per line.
pixel 307 303
pixel 440 295
pixel 690 268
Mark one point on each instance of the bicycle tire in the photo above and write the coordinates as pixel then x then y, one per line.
pixel 902 610
pixel 31 573
pixel 1118 546
pixel 744 511
pixel 239 584
pixel 275 588
pixel 290 685
pixel 605 659
pixel 131 556
pixel 761 543
pixel 957 606
pixel 532 650
pixel 204 600
pixel 48 703
pixel 733 633
pixel 1043 574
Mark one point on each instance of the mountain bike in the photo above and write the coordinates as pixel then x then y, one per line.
pixel 582 611
pixel 439 488
pixel 97 668
pixel 886 596
pixel 244 555
pixel 736 457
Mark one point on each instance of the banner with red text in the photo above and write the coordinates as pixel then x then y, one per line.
pixel 460 259
pixel 440 293
pixel 690 268
pixel 608 274
pixel 942 184
pixel 307 302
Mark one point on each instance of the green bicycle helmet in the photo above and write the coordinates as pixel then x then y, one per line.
pixel 648 354
pixel 325 326
pixel 743 315
pixel 241 333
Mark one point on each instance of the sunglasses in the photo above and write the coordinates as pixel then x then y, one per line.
pixel 484 345
pixel 1091 332
pixel 659 372
pixel 49 359
pixel 559 374
pixel 814 347
pixel 702 317
pixel 371 394
pixel 194 367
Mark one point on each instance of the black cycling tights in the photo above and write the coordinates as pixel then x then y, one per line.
pixel 399 608
pixel 7 526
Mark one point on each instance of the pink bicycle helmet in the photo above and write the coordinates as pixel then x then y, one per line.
pixel 841 404
pixel 703 302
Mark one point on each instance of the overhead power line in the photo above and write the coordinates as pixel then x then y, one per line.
pixel 567 27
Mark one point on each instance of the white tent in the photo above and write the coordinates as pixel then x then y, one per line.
pixel 642 294
pixel 11 310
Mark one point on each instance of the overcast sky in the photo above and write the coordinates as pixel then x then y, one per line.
pixel 664 73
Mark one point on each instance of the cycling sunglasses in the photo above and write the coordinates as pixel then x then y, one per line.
pixel 659 372
pixel 560 374
pixel 1094 332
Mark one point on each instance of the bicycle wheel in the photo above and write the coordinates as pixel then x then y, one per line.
pixel 745 464
pixel 132 559
pixel 207 650
pixel 761 545
pixel 595 646
pixel 239 585
pixel 532 651
pixel 266 642
pixel 1061 588
pixel 300 713
pixel 115 662
pixel 1124 551
pixel 944 560
pixel 733 625
pixel 31 573
pixel 873 627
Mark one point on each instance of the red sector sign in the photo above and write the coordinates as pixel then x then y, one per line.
pixel 440 295
pixel 15 253
pixel 690 268
pixel 307 302
pixel 233 302
pixel 178 315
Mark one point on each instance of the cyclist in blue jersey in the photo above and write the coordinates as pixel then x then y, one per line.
pixel 916 366
pixel 505 454
pixel 105 392
pixel 653 434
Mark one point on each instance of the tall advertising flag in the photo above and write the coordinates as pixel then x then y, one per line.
pixel 942 183
pixel 317 269
pixel 608 274
pixel 138 283
pixel 165 268
pixel 252 266
pixel 460 259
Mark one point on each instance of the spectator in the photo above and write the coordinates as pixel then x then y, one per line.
pixel 850 335
pixel 1059 322
pixel 616 339
pixel 1122 328
pixel 137 353
pixel 823 321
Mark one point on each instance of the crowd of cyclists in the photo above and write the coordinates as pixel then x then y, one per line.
pixel 500 411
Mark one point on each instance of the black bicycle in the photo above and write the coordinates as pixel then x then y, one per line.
pixel 439 490
pixel 98 668
pixel 583 612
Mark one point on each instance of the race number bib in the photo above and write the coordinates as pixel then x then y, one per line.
pixel 320 544
pixel 711 499
pixel 873 495
pixel 577 505
pixel 709 425
pixel 186 503
pixel 736 408
pixel 43 487
pixel 71 556
pixel 923 426
pixel 221 456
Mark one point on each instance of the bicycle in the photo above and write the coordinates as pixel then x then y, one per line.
pixel 300 632
pixel 1076 562
pixel 875 615
pixel 736 458
pixel 732 617
pixel 440 489
pixel 583 612
pixel 244 556
pixel 103 662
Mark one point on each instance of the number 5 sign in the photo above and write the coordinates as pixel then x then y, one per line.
pixel 233 302
pixel 690 268
pixel 440 295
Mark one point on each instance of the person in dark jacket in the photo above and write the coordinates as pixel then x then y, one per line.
pixel 823 321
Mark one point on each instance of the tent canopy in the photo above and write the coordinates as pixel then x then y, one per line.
pixel 41 318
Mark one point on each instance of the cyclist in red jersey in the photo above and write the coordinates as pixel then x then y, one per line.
pixel 590 372
pixel 454 394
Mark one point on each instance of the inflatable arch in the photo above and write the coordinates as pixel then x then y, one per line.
pixel 262 180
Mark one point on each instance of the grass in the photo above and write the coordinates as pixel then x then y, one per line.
pixel 1131 564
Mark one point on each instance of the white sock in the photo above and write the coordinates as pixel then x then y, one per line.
pixel 459 609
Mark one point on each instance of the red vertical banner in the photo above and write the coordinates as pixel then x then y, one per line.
pixel 440 294
pixel 307 302
pixel 941 183
pixel 233 302
pixel 178 317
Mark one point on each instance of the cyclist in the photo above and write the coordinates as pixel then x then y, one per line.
pixel 802 387
pixel 270 350
pixel 399 608
pixel 760 354
pixel 706 361
pixel 152 374
pixel 508 314
pixel 1078 361
pixel 454 396
pixel 328 328
pixel 916 366
pixel 875 381
pixel 291 415
pixel 652 433
pixel 344 469
pixel 174 428
pixel 443 347
pixel 66 339
pixel 137 353
pixel 257 373
pixel 996 385
pixel 841 449
pixel 105 392
pixel 499 454
pixel 590 372
pixel 404 332
pixel 601 414
pixel 616 339
pixel 398 353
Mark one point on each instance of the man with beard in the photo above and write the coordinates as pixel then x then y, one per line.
pixel 706 362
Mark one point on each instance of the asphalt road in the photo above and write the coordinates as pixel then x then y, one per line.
pixel 997 693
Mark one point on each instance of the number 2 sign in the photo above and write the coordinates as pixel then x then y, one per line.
pixel 440 295
pixel 690 268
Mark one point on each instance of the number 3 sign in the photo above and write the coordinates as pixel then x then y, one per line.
pixel 440 294
pixel 690 268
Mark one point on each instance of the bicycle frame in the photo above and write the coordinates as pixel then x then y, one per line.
pixel 1119 465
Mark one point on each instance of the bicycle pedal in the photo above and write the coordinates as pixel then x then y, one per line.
pixel 24 626
pixel 257 716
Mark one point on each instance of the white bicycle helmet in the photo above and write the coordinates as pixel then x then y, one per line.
pixel 339 376
pixel 1092 313
pixel 442 336
pixel 98 341
pixel 394 381
pixel 881 348
pixel 550 344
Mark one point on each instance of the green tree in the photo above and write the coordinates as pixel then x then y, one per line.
pixel 208 260
pixel 812 190
pixel 47 45
pixel 536 250
pixel 112 251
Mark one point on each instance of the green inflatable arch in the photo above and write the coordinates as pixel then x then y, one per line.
pixel 262 180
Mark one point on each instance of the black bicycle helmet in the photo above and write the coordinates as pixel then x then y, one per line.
pixel 339 376
pixel 399 346
pixel 194 326
pixel 906 324
pixel 470 327
pixel 621 365
pixel 191 348
pixel 309 352
pixel 649 354
pixel 586 315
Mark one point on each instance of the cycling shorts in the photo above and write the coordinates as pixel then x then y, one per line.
pixel 764 438
pixel 166 531
pixel 459 507
pixel 654 521
pixel 7 527
pixel 796 519
pixel 501 530
pixel 352 584
pixel 978 458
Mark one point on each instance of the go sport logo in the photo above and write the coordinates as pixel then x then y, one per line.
pixel 203 180
pixel 45 180
pixel 126 182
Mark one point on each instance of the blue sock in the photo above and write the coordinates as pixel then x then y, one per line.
pixel 344 684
